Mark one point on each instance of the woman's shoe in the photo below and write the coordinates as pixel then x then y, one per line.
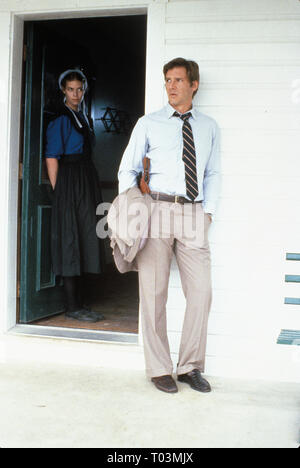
pixel 98 314
pixel 84 315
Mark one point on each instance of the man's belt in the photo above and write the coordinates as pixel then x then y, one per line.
pixel 171 198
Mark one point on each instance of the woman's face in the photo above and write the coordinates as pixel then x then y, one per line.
pixel 74 93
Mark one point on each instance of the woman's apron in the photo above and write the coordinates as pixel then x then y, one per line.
pixel 76 249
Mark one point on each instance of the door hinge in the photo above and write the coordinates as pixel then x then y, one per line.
pixel 20 171
pixel 18 290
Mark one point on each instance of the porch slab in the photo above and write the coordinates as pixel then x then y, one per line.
pixel 52 405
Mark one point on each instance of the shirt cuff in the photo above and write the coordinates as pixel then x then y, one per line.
pixel 209 208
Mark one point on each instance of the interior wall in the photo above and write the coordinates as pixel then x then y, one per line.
pixel 120 66
pixel 120 84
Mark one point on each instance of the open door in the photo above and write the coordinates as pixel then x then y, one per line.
pixel 40 291
pixel 111 51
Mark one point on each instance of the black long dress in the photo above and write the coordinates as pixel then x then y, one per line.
pixel 76 249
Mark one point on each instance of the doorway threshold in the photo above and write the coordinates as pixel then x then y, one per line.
pixel 74 334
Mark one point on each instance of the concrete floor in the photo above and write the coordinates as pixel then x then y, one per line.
pixel 46 405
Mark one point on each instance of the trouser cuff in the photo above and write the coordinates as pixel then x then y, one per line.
pixel 158 372
pixel 190 368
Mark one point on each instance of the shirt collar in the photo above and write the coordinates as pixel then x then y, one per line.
pixel 170 111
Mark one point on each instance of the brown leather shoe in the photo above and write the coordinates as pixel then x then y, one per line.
pixel 165 383
pixel 196 381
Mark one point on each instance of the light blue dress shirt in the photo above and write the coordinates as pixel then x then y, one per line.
pixel 159 137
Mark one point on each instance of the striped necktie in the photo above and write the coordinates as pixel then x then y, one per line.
pixel 189 157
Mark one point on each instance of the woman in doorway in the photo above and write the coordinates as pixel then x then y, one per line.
pixel 75 246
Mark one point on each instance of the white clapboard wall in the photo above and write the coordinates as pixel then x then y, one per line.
pixel 249 58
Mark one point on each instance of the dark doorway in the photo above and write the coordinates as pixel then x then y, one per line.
pixel 112 53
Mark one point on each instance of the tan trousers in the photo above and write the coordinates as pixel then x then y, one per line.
pixel 171 233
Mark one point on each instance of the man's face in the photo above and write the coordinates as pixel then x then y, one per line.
pixel 179 89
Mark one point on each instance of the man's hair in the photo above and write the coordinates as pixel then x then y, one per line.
pixel 191 67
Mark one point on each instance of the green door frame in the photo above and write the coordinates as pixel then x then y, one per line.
pixel 39 294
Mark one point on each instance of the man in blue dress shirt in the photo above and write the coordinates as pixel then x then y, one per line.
pixel 183 147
